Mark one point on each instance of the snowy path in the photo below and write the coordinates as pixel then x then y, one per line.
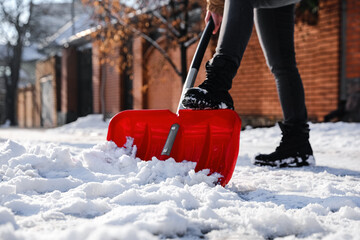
pixel 69 183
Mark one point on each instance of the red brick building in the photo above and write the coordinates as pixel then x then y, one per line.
pixel 351 60
pixel 318 54
pixel 328 56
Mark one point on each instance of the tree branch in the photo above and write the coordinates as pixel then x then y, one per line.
pixel 7 16
pixel 147 38
pixel 193 40
pixel 154 44
pixel 166 23
pixel 31 7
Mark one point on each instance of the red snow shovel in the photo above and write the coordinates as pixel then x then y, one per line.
pixel 210 138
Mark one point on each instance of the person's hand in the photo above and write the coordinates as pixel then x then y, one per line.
pixel 217 20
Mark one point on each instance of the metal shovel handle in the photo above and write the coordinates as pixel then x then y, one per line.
pixel 190 81
pixel 197 59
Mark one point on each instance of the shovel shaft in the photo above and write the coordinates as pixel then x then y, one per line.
pixel 203 43
pixel 197 59
pixel 190 81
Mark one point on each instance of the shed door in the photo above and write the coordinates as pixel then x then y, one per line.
pixel 47 102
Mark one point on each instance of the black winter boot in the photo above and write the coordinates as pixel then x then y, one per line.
pixel 213 93
pixel 294 149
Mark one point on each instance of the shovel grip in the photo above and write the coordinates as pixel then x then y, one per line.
pixel 203 43
pixel 170 139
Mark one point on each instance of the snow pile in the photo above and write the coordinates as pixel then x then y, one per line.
pixel 6 124
pixel 90 125
pixel 59 190
pixel 104 185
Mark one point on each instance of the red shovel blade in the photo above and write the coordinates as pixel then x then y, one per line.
pixel 210 138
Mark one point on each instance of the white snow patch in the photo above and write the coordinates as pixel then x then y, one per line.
pixel 7 217
pixel 69 183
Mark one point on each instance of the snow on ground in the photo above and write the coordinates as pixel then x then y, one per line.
pixel 69 183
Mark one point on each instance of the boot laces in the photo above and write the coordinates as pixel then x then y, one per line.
pixel 211 77
pixel 284 140
pixel 210 71
pixel 291 135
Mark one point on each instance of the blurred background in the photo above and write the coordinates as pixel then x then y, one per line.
pixel 64 59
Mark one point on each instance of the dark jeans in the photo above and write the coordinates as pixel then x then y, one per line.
pixel 275 29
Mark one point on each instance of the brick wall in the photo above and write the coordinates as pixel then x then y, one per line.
pixel 96 74
pixel 107 78
pixel 29 107
pixel 319 61
pixel 162 85
pixel 26 107
pixel 69 88
pixel 353 39
pixel 352 53
pixel 317 53
pixel 254 90
pixel 21 108
pixel 112 89
pixel 138 71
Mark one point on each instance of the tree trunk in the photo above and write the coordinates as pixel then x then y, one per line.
pixel 13 83
pixel 10 105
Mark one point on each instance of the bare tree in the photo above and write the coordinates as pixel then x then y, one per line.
pixel 17 16
pixel 24 23
pixel 176 20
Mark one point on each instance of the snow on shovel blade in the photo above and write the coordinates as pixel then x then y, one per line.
pixel 210 138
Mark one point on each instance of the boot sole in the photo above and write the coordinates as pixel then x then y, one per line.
pixel 304 161
pixel 193 103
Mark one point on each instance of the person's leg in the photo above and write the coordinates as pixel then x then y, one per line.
pixel 275 28
pixel 235 31
pixel 234 35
